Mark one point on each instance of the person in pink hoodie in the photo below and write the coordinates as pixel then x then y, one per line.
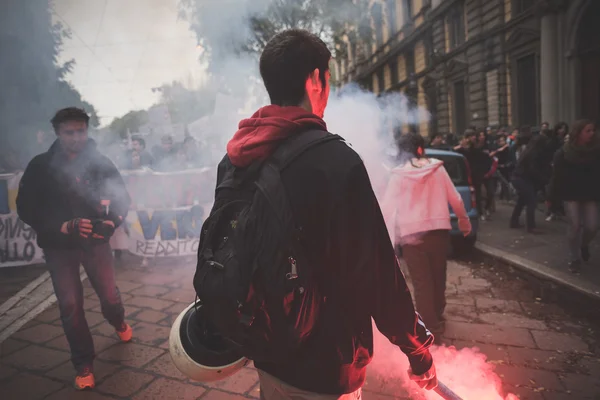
pixel 416 210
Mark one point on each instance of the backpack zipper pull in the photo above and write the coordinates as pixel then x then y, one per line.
pixel 294 273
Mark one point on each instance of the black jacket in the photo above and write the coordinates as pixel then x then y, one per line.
pixel 54 190
pixel 479 161
pixel 575 181
pixel 332 200
pixel 533 167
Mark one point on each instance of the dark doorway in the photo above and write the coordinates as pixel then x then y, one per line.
pixel 589 51
pixel 527 91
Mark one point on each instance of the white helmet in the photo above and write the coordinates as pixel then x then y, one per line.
pixel 198 354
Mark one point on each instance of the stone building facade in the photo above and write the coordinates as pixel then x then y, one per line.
pixel 482 62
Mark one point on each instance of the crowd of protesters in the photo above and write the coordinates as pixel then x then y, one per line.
pixel 554 166
pixel 168 156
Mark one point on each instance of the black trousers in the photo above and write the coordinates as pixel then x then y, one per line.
pixel 426 257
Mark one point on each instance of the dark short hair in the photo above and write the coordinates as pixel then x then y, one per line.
pixel 409 143
pixel 469 133
pixel 139 139
pixel 287 60
pixel 69 114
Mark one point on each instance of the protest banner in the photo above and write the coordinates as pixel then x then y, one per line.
pixel 17 242
pixel 167 212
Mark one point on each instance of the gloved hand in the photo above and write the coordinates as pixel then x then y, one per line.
pixel 77 226
pixel 427 381
pixel 102 229
pixel 464 225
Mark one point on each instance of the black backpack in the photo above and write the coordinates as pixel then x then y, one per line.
pixel 255 282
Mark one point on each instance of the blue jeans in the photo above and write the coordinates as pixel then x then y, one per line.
pixel 526 198
pixel 63 265
pixel 583 225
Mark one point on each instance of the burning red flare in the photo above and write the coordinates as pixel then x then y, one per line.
pixel 465 371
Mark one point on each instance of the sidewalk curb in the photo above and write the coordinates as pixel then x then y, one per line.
pixel 563 279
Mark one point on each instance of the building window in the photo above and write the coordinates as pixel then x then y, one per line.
pixel 394 71
pixel 527 91
pixel 410 62
pixel 460 107
pixel 377 14
pixel 407 11
pixel 428 48
pixel 456 27
pixel 520 6
pixel 380 81
pixel 391 16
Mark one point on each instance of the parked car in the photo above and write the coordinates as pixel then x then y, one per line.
pixel 458 168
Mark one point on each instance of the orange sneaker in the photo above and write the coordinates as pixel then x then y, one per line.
pixel 126 333
pixel 84 380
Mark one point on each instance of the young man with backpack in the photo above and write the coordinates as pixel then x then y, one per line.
pixel 295 258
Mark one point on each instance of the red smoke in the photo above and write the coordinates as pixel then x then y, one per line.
pixel 464 371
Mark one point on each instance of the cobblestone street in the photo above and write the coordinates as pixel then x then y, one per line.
pixel 539 350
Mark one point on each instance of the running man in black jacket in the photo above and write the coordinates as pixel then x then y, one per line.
pixel 344 231
pixel 74 198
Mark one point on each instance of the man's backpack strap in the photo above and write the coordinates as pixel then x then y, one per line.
pixel 269 180
pixel 292 148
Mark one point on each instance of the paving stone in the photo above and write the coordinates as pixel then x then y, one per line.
pixel 106 330
pixel 36 358
pixel 591 365
pixel 101 343
pixel 91 304
pixel 131 354
pixel 494 353
pixel 547 340
pixel 582 385
pixel 219 395
pixel 39 334
pixel 70 394
pixel 488 334
pixel 544 310
pixel 28 387
pixel 151 316
pixel 89 292
pixel 177 308
pixel 128 286
pixel 514 320
pixel 460 299
pixel 149 302
pixel 460 312
pixel 473 284
pixel 241 382
pixel 130 310
pixel 6 372
pixel 11 345
pixel 531 378
pixel 451 288
pixel 166 389
pixel 535 358
pixel 150 291
pixel 524 393
pixel 164 366
pixel 485 304
pixel 150 334
pixel 157 279
pixel 50 315
pixel 180 295
pixel 367 395
pixel 125 383
pixel 66 372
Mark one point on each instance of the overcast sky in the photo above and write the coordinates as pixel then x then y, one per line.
pixel 124 48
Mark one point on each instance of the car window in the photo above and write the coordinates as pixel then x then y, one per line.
pixel 456 168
